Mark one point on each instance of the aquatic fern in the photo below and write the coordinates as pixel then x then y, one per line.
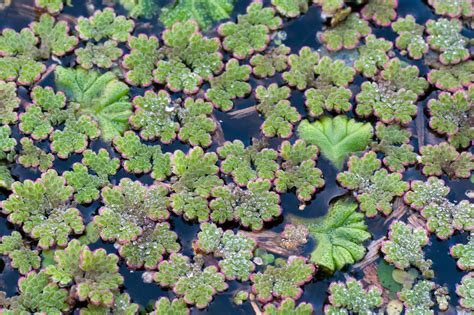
pixel 105 25
pixel 19 251
pixel 452 78
pixel 189 59
pixel 230 84
pixel 288 306
pixel 37 294
pixel 443 216
pixel 43 209
pixel 100 55
pixel 452 8
pixel 451 115
pixel 94 274
pixel 154 116
pixel 373 186
pixel 128 208
pixel 274 60
pixel 141 158
pixel 235 250
pixel 410 37
pixel 464 253
pixel 196 121
pixel 195 283
pixel 394 144
pixel 141 60
pixel 53 36
pixel 121 305
pixel 245 164
pixel 444 159
pixel 336 137
pixel 346 34
pixel 404 248
pixel 464 291
pixel 301 68
pixel 251 32
pixel 9 102
pixel 298 170
pixel 32 156
pixel 291 8
pixel 372 56
pixel 351 296
pixel 165 306
pixel 382 12
pixel 339 235
pixel 275 107
pixel 284 280
pixel 445 37
pixel 418 300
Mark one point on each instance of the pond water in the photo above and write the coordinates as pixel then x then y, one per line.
pixel 300 32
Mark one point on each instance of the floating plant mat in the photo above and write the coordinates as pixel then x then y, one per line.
pixel 236 157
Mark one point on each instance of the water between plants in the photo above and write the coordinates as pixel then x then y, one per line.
pixel 300 32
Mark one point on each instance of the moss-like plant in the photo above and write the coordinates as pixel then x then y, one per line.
pixel 452 114
pixel 154 117
pixel 410 37
pixel 141 158
pixel 288 306
pixel 336 137
pixel 100 55
pixel 9 102
pixel 165 306
pixel 87 185
pixel 393 97
pixel 19 251
pixel 37 295
pixel 204 12
pixel 53 6
pixel 330 7
pixel 381 12
pixel 277 110
pixel 245 164
pixel 251 32
pixel 373 186
pixel 404 248
pixel 235 250
pixel 346 34
pixel 129 208
pixel 444 159
pixel 372 56
pixel 394 144
pixel 464 253
pixel 418 300
pixel 230 84
pixel 445 37
pixel 330 90
pixel 42 208
pixel 94 274
pixel 105 25
pixel 53 36
pixel 101 96
pixel 351 296
pixel 291 8
pixel 148 250
pixel 452 8
pixel 75 135
pixel 284 280
pixel 299 170
pixel 7 155
pixel 121 305
pixel 189 59
pixel 465 291
pixel 196 176
pixel 32 156
pixel 452 77
pixel 195 283
pixel 301 68
pixel 140 8
pixel 274 60
pixel 196 122
pixel 339 236
pixel 251 207
pixel 141 60
pixel 443 216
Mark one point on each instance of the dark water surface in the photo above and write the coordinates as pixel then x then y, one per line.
pixel 300 32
